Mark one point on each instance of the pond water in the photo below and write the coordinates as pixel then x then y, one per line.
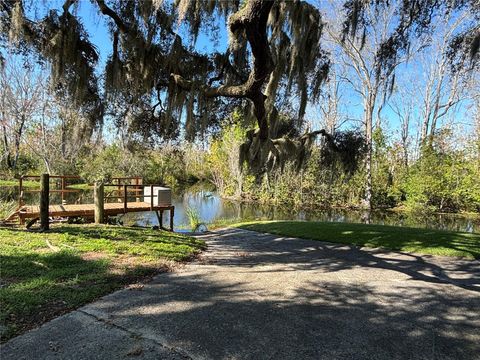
pixel 211 208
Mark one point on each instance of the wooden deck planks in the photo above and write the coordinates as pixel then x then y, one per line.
pixel 33 211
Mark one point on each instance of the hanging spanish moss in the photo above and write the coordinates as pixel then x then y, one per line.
pixel 61 39
pixel 345 148
pixel 156 81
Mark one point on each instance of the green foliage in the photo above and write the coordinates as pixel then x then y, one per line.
pixel 27 163
pixel 382 176
pixel 169 166
pixel 443 180
pixel 166 166
pixel 223 160
pixel 7 207
pixel 347 151
pixel 110 162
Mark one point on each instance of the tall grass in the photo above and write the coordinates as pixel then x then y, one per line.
pixel 193 216
pixel 7 207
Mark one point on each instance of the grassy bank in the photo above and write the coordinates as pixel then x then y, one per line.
pixel 31 184
pixel 26 183
pixel 422 241
pixel 44 275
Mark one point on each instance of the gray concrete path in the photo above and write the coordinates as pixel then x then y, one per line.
pixel 260 296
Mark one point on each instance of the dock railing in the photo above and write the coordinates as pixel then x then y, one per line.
pixel 121 191
pixel 64 179
pixel 125 191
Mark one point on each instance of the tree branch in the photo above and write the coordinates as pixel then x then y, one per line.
pixel 253 20
pixel 113 15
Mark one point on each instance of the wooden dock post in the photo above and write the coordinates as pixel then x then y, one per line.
pixel 99 202
pixel 159 214
pixel 151 197
pixel 20 191
pixel 44 201
pixel 125 198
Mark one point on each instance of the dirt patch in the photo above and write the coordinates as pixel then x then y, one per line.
pixel 44 313
pixel 93 255
pixel 125 264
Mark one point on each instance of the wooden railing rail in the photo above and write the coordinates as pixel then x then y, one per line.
pixel 124 193
pixel 63 188
pixel 137 182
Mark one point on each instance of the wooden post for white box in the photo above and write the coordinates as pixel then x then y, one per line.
pixel 98 194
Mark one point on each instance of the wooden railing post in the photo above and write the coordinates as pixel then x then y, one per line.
pixel 20 192
pixel 44 201
pixel 125 200
pixel 63 188
pixel 137 190
pixel 172 214
pixel 98 194
pixel 151 197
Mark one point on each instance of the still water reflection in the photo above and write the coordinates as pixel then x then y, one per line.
pixel 211 207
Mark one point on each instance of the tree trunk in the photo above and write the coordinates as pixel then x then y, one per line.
pixel 47 164
pixel 368 158
pixel 64 140
pixel 252 20
pixel 8 156
pixel 18 138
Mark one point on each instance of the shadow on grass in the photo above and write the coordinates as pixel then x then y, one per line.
pixel 113 233
pixel 38 287
pixel 37 284
pixel 434 242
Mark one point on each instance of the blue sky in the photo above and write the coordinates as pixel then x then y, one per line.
pixel 96 25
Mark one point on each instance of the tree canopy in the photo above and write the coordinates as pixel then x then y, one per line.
pixel 156 83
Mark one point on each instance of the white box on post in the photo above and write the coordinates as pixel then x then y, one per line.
pixel 162 196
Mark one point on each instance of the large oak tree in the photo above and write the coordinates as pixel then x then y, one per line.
pixel 274 51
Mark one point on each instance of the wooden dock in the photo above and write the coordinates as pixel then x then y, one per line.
pixel 121 192
pixel 88 210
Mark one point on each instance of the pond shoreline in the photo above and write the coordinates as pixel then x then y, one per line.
pixel 214 208
pixel 397 209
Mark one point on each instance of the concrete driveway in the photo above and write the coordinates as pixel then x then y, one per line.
pixel 260 296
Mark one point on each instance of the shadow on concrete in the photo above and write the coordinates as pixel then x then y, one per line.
pixel 259 296
pixel 292 310
pixel 301 254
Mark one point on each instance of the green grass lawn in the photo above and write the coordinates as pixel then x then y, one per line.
pixel 43 275
pixel 31 184
pixel 26 183
pixel 422 241
pixel 80 187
